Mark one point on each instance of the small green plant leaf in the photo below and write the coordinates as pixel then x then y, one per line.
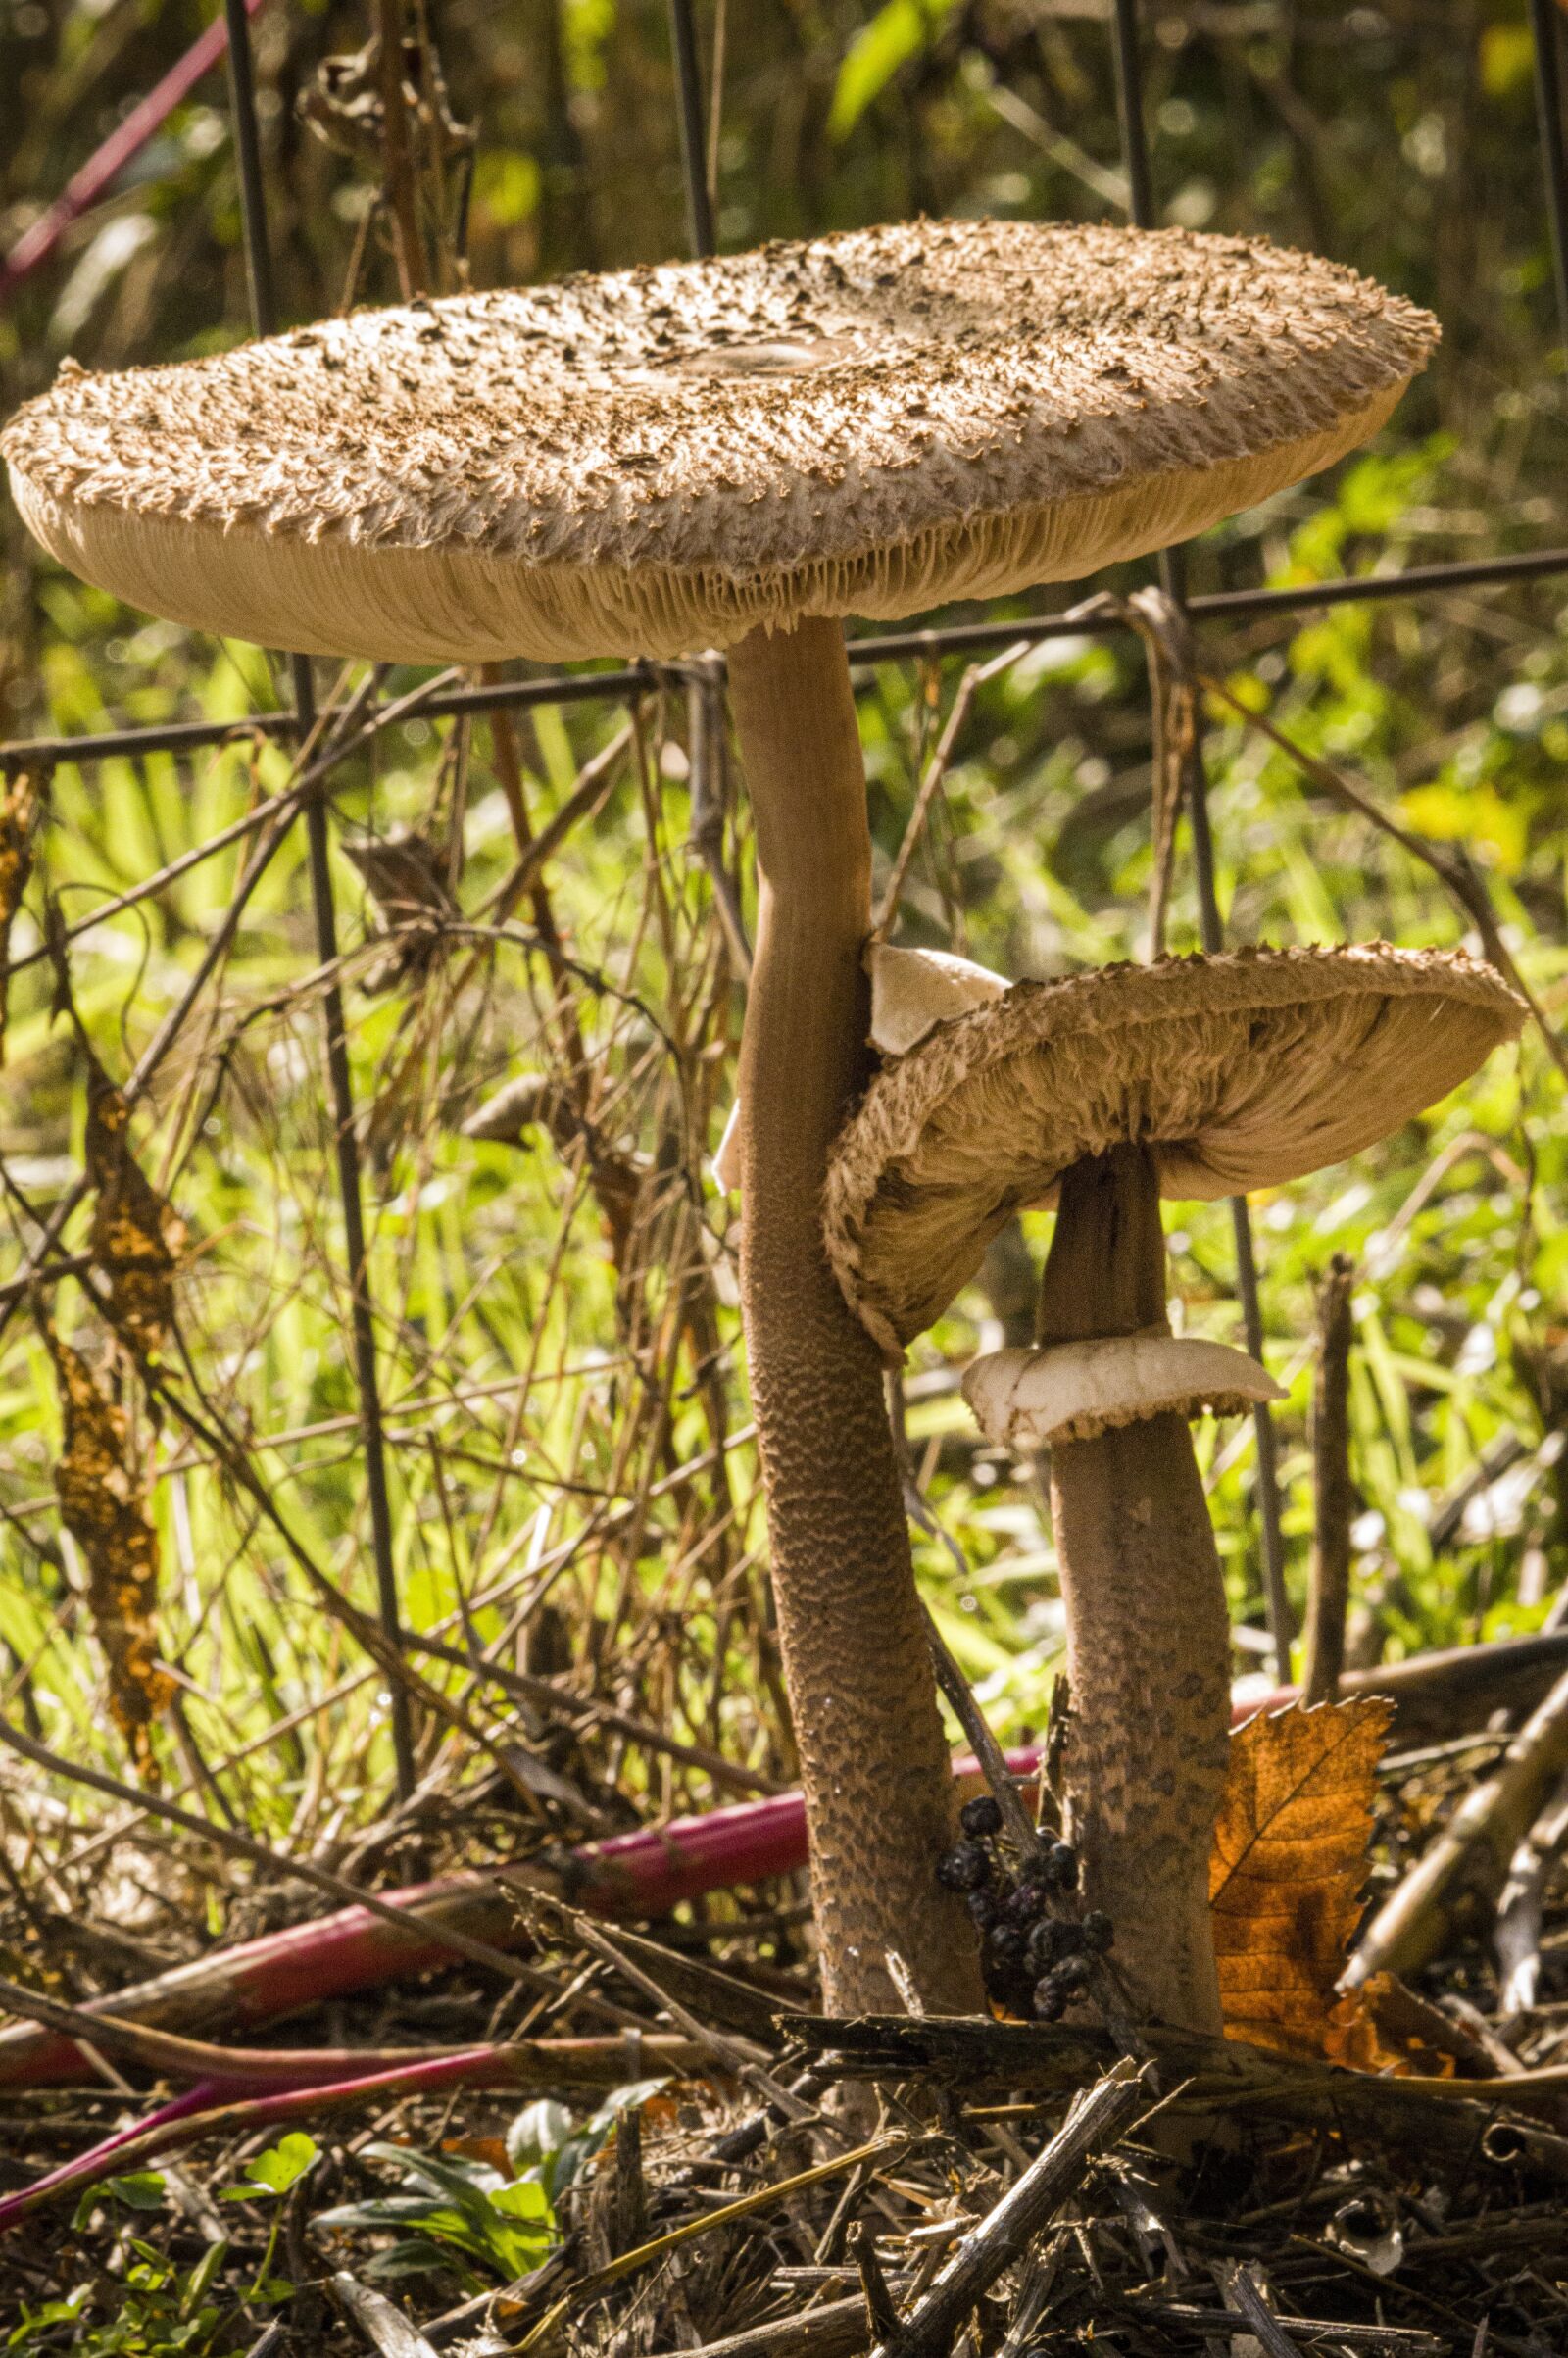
pixel 526 2199
pixel 459 2206
pixel 51 2313
pixel 278 2169
pixel 199 2282
pixel 138 2189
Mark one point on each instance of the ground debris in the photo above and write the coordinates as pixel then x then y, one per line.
pixel 745 2217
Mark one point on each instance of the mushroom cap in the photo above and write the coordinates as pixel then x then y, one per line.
pixel 1074 1390
pixel 662 458
pixel 1237 1072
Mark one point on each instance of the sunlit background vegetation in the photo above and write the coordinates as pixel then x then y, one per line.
pixel 574 1485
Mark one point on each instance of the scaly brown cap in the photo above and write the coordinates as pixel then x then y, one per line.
pixel 661 459
pixel 1237 1072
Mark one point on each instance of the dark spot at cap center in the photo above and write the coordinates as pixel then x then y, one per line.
pixel 784 356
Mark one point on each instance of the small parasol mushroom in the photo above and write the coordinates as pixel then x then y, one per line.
pixel 736 453
pixel 1192 1078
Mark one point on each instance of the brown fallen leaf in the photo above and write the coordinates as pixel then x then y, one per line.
pixel 103 1504
pixel 1382 2026
pixel 19 817
pixel 1287 1875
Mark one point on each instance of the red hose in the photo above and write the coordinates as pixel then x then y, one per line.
pixel 106 163
pixel 637 1875
pixel 642 1874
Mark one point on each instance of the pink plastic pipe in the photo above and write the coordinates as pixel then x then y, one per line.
pixel 639 1875
pixel 105 2160
pixel 106 163
pixel 215 2108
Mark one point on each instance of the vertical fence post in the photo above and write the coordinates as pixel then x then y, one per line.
pixel 264 318
pixel 1173 581
pixel 1543 24
pixel 693 145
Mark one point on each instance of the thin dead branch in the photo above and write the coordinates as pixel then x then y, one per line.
pixel 1467 1865
pixel 1333 1493
pixel 1097 2120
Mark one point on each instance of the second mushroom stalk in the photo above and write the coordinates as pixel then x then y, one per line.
pixel 1193 1078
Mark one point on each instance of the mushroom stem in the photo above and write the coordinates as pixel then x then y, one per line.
pixel 1148 1631
pixel 873 1762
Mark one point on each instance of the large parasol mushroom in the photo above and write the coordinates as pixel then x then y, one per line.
pixel 737 452
pixel 1192 1078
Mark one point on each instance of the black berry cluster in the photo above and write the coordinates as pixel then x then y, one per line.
pixel 1037 1954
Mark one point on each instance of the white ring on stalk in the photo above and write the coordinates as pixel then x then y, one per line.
pixel 1074 1390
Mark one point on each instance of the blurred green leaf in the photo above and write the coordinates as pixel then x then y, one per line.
pixel 898 31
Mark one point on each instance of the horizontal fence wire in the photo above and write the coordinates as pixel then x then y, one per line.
pixel 960 638
pixel 891 646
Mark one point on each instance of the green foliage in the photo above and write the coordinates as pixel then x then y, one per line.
pixel 898 31
pixel 277 2170
pixel 565 1476
pixel 560 1467
pixel 157 2310
pixel 459 2210
pixel 139 2190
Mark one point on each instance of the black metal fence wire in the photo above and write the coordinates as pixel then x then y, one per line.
pixel 303 720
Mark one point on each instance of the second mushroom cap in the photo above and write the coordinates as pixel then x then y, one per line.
pixel 1238 1072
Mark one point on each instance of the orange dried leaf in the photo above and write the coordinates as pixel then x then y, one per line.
pixel 1287 1874
pixel 103 1505
pixel 136 1233
pixel 19 815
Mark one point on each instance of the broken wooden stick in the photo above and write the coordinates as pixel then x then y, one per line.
pixel 1244 2295
pixel 973 2058
pixel 835 2329
pixel 1097 2120
pixel 1465 1869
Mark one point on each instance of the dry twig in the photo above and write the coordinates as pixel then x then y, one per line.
pixel 1468 1863
pixel 1328 1589
pixel 1098 2119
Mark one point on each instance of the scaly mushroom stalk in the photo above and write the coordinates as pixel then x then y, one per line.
pixel 1148 1629
pixel 1192 1078
pixel 874 1763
